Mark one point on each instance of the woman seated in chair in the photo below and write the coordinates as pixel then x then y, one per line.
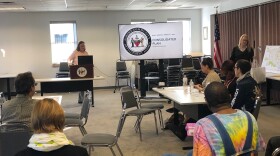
pixel 47 121
pixel 207 68
pixel 227 71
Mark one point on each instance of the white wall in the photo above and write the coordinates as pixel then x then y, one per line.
pixel 223 7
pixel 26 38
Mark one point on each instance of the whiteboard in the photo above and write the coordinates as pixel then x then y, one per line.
pixel 271 59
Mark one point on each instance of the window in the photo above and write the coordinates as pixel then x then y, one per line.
pixel 186 34
pixel 63 40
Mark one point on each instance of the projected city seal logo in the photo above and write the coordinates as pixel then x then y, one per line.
pixel 137 41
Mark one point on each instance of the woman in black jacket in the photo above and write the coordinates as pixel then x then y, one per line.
pixel 243 50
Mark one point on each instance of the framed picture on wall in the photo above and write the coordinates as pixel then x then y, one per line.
pixel 205 33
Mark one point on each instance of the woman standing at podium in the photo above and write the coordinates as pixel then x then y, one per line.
pixel 73 60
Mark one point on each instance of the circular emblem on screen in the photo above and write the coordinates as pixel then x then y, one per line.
pixel 137 41
pixel 81 71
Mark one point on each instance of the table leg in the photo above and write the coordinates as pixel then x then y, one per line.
pixel 92 98
pixel 176 115
pixel 268 86
pixel 8 89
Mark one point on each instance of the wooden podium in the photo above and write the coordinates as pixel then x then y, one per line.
pixel 81 71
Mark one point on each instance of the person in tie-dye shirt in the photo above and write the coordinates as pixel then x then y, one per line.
pixel 207 140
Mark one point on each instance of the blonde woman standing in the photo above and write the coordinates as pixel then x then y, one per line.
pixel 243 50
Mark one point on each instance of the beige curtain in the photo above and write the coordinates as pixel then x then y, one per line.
pixel 233 25
pixel 270 32
pixel 270 25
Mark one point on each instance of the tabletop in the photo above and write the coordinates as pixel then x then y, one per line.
pixel 57 98
pixel 68 79
pixel 182 95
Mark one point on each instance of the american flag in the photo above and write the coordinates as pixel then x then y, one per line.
pixel 217 53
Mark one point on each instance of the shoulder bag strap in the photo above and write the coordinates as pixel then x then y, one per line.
pixel 229 148
pixel 248 142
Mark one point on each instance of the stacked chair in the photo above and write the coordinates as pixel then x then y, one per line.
pixel 121 73
pixel 173 69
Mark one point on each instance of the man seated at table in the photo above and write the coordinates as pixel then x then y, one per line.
pixel 19 108
pixel 239 127
pixel 246 88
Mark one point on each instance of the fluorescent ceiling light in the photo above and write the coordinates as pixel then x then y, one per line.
pixel 12 8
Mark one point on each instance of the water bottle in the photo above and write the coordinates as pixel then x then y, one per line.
pixel 185 80
pixel 191 85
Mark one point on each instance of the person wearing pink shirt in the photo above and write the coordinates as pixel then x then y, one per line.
pixel 80 51
pixel 73 59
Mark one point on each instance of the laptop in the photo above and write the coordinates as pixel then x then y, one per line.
pixel 83 60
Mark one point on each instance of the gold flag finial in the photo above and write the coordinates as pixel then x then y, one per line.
pixel 216 7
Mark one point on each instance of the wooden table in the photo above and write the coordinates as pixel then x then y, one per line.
pixel 57 98
pixel 8 76
pixel 54 85
pixel 192 104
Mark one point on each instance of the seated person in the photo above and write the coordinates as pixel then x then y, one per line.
pixel 47 121
pixel 19 108
pixel 207 68
pixel 246 87
pixel 273 143
pixel 207 138
pixel 227 71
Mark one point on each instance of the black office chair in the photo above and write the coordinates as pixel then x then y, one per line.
pixel 187 63
pixel 258 103
pixel 121 73
pixel 196 64
pixel 63 70
pixel 14 137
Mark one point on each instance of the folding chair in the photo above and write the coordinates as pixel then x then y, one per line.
pixel 103 139
pixel 79 120
pixel 127 97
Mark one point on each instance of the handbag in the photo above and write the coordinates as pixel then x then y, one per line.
pixel 258 73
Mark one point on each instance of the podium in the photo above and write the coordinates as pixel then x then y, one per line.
pixel 81 71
